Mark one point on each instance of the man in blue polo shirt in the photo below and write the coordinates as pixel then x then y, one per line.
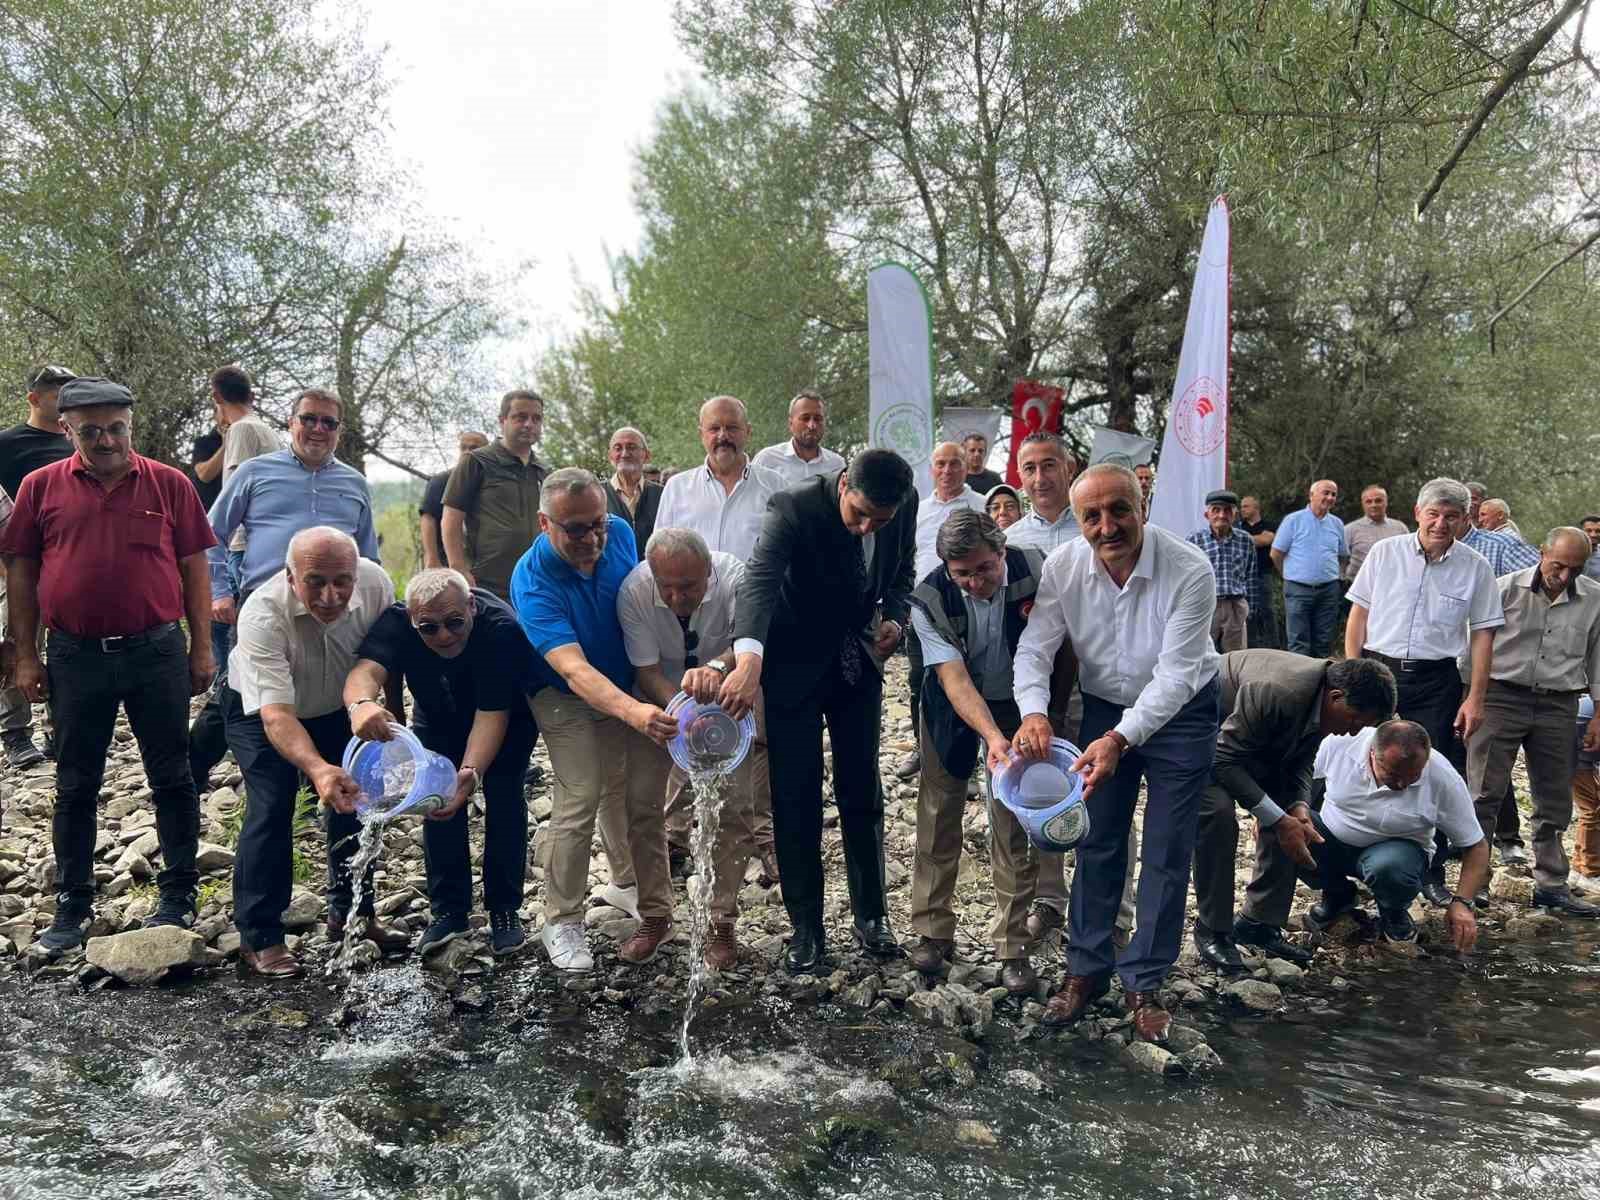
pixel 565 592
pixel 1310 550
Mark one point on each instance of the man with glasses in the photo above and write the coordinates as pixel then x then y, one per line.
pixel 107 549
pixel 491 508
pixel 565 594
pixel 463 655
pixel 628 494
pixel 36 442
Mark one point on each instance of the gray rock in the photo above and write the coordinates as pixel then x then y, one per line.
pixel 10 906
pixel 1284 973
pixel 1025 1081
pixel 212 857
pixel 133 863
pixel 1532 927
pixel 938 1008
pixel 147 844
pixel 1199 1058
pixel 146 955
pixel 229 942
pixel 120 806
pixel 1182 1038
pixel 117 885
pixel 304 909
pixel 975 1133
pixel 1516 888
pixel 1154 1058
pixel 1255 995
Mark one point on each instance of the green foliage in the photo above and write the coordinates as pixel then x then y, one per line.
pixel 400 533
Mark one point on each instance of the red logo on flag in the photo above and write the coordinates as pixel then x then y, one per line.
pixel 1198 419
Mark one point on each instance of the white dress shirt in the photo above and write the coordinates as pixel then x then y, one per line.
pixel 785 461
pixel 729 521
pixel 931 513
pixel 1360 811
pixel 1033 532
pixel 286 656
pixel 1145 646
pixel 652 632
pixel 986 641
pixel 1421 609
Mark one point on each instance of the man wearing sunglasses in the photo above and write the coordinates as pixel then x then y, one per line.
pixel 468 665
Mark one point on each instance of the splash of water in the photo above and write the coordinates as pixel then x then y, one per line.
pixel 709 788
pixel 369 845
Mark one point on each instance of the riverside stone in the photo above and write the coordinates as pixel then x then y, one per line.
pixel 1255 995
pixel 1154 1058
pixel 211 857
pixel 143 956
pixel 304 909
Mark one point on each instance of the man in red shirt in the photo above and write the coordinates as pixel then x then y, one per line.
pixel 108 549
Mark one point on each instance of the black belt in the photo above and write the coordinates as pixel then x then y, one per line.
pixel 116 645
pixel 1411 666
pixel 1536 691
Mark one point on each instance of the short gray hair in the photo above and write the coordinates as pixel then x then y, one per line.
pixel 317 533
pixel 1407 736
pixel 1565 532
pixel 673 541
pixel 1441 491
pixel 638 433
pixel 1500 504
pixel 427 586
pixel 565 482
pixel 966 532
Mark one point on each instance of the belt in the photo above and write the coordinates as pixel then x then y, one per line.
pixel 119 643
pixel 1411 666
pixel 1535 691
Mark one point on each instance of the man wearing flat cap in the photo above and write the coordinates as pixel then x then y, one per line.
pixel 1233 561
pixel 108 549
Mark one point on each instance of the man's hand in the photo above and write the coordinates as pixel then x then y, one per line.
pixel 1033 736
pixel 225 610
pixel 1296 834
pixel 30 678
pixel 1098 762
pixel 737 695
pixel 1591 734
pixel 702 683
pixel 202 668
pixel 1463 923
pixel 1468 718
pixel 653 723
pixel 370 722
pixel 466 784
pixel 335 788
pixel 1000 753
pixel 886 638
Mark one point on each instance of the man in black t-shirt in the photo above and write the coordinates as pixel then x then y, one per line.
pixel 1261 631
pixel 432 506
pixel 205 467
pixel 468 664
pixel 37 442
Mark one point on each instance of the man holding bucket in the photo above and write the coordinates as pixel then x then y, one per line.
pixel 1136 603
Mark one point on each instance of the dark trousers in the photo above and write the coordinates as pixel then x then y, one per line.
pixel 263 866
pixel 1176 762
pixel 505 825
pixel 1392 870
pixel 1508 821
pixel 1216 848
pixel 151 682
pixel 1310 612
pixel 1262 632
pixel 208 738
pixel 914 679
pixel 794 748
pixel 1431 696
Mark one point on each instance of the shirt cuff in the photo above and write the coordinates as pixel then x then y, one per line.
pixel 1130 729
pixel 1267 813
pixel 748 646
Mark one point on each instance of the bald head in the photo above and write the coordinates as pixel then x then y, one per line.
pixel 1107 478
pixel 949 469
pixel 724 431
pixel 1493 514
pixel 1324 494
pixel 322 566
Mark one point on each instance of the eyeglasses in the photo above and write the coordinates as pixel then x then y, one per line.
pixel 431 628
pixel 91 433
pixel 578 530
pixel 313 420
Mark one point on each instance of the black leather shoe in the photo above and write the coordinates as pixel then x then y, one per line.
pixel 1325 911
pixel 1218 951
pixel 1435 893
pixel 1566 903
pixel 806 950
pixel 877 938
pixel 1269 940
pixel 1397 925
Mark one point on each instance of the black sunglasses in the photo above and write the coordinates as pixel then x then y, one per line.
pixel 430 628
pixel 312 420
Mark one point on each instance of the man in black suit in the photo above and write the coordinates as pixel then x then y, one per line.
pixel 628 495
pixel 821 606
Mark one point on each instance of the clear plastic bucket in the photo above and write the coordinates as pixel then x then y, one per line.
pixel 398 777
pixel 1046 797
pixel 709 741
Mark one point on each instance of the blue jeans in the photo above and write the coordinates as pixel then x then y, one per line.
pixel 1310 610
pixel 1393 870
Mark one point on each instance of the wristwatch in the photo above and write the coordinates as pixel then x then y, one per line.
pixel 355 704
pixel 1461 900
pixel 720 667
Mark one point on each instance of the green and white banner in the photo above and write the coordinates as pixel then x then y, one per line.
pixel 900 368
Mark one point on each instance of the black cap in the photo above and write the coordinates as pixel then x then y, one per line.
pixel 48 375
pixel 87 391
pixel 1222 496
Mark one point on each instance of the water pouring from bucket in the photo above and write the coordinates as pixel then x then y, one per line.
pixel 1046 797
pixel 400 777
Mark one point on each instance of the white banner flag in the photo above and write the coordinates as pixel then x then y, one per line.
pixel 957 423
pixel 1108 442
pixel 900 368
pixel 1194 452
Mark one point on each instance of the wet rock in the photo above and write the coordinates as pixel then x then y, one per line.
pixel 1284 973
pixel 1155 1059
pixel 1532 927
pixel 212 857
pixel 304 909
pixel 1182 1038
pixel 938 1008
pixel 1400 949
pixel 1255 995
pixel 470 999
pixel 1198 1059
pixel 975 1133
pixel 143 956
pixel 274 1016
pixel 861 994
pixel 1515 888
pixel 450 957
pixel 1025 1081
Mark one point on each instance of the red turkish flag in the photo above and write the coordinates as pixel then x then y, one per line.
pixel 1034 406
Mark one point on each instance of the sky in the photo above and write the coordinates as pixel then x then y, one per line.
pixel 518 121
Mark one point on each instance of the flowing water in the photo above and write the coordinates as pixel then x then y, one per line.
pixel 708 787
pixel 369 845
pixel 1442 1079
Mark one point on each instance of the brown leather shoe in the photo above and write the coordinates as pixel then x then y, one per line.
pixel 1074 998
pixel 274 962
pixel 1042 919
pixel 722 947
pixel 1017 975
pixel 643 945
pixel 932 955
pixel 1150 1020
pixel 390 938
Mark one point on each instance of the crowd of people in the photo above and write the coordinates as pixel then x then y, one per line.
pixel 556 603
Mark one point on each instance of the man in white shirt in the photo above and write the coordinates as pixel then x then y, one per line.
pixel 1046 467
pixel 1136 603
pixel 803 455
pixel 725 499
pixel 1417 605
pixel 297 641
pixel 950 494
pixel 1389 794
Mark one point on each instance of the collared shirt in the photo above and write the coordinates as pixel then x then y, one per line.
pixel 1263 553
pixel 1312 547
pixel 1360 811
pixel 1233 560
pixel 931 514
pixel 274 497
pixel 982 481
pixel 498 494
pixel 108 561
pixel 559 606
pixel 1422 609
pixel 1033 532
pixel 1364 533
pixel 653 633
pixel 728 521
pixel 1591 566
pixel 248 437
pixel 986 640
pixel 785 461
pixel 1503 552
pixel 1145 646
pixel 631 503
pixel 1551 645
pixel 285 655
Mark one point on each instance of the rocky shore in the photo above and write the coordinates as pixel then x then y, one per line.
pixel 967 1002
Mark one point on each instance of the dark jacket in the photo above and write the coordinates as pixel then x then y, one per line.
pixel 1269 738
pixel 943 603
pixel 643 519
pixel 796 597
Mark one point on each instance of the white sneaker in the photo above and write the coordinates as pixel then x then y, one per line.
pixel 569 949
pixel 625 898
pixel 1589 884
